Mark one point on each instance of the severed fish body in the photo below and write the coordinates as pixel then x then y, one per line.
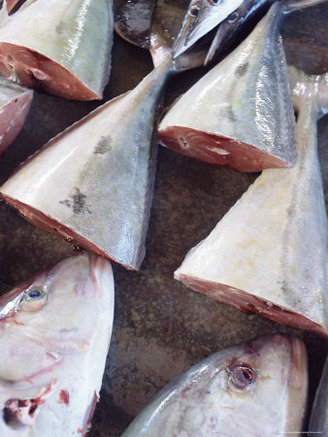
pixel 55 335
pixel 15 103
pixel 239 114
pixel 268 254
pixel 61 46
pixel 93 183
pixel 319 417
pixel 258 388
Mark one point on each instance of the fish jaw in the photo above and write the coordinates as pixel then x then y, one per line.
pixel 15 103
pixel 213 396
pixel 201 17
pixel 239 114
pixel 60 58
pixel 48 386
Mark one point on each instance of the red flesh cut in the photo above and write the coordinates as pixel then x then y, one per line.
pixel 252 304
pixel 218 149
pixel 38 71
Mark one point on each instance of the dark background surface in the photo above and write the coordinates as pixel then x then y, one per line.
pixel 161 328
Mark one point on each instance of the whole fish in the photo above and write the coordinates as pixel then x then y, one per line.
pixel 93 183
pixel 55 334
pixel 239 114
pixel 255 389
pixel 319 418
pixel 201 17
pixel 268 254
pixel 15 103
pixel 61 46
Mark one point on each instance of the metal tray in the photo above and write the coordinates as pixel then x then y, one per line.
pixel 161 327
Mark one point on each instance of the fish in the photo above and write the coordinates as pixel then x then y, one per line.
pixel 268 254
pixel 228 19
pixel 255 388
pixel 318 423
pixel 201 17
pixel 15 104
pixel 52 45
pixel 235 26
pixel 239 114
pixel 55 334
pixel 93 184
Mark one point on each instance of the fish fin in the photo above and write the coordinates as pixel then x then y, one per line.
pixel 294 5
pixel 300 84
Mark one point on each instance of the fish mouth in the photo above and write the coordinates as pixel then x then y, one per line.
pixel 18 413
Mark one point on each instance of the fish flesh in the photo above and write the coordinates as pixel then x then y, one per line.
pixel 319 417
pixel 239 114
pixel 268 254
pixel 15 103
pixel 93 183
pixel 55 335
pixel 201 17
pixel 60 46
pixel 235 25
pixel 257 388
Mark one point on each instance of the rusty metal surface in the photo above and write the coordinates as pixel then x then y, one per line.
pixel 161 327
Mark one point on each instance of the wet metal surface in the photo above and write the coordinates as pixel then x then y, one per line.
pixel 161 328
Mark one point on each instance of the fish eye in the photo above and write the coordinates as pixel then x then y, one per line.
pixel 194 11
pixel 241 376
pixel 215 2
pixel 34 294
pixel 233 17
pixel 34 298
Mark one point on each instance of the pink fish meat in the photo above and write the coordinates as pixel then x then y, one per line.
pixel 59 46
pixel 239 114
pixel 269 252
pixel 15 103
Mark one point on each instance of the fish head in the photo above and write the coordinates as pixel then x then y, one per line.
pixel 249 386
pixel 49 327
pixel 237 26
pixel 244 390
pixel 201 17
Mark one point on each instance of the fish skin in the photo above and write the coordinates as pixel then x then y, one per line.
pixel 239 114
pixel 101 186
pixel 204 402
pixel 319 418
pixel 201 17
pixel 15 103
pixel 53 349
pixel 268 254
pixel 60 57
